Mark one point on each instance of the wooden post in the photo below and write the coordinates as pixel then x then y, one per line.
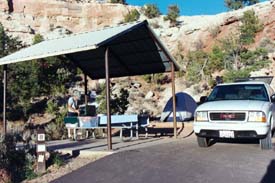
pixel 41 151
pixel 174 98
pixel 107 78
pixel 86 92
pixel 5 68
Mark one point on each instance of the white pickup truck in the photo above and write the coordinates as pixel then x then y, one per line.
pixel 237 110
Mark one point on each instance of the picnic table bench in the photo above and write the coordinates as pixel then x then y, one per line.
pixel 130 122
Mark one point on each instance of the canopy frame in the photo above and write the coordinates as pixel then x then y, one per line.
pixel 161 60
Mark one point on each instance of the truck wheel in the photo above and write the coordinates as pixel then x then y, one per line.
pixel 266 143
pixel 203 142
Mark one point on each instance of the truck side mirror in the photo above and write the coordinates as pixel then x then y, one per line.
pixel 204 98
pixel 272 98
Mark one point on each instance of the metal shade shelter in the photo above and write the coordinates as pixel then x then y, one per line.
pixel 125 50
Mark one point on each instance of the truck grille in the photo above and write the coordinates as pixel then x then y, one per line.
pixel 227 116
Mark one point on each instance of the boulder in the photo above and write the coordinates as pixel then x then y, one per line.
pixel 149 95
pixel 4 176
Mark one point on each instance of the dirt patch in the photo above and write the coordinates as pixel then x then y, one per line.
pixel 55 172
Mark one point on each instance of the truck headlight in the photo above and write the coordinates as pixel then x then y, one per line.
pixel 256 116
pixel 201 116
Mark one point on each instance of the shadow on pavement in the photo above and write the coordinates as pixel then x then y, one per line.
pixel 69 144
pixel 233 141
pixel 269 176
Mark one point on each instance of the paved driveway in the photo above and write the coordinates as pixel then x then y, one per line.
pixel 181 161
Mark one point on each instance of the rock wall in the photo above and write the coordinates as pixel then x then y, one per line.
pixel 44 16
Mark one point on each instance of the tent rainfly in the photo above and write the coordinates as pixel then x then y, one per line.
pixel 185 108
pixel 126 50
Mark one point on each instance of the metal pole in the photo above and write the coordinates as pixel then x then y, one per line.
pixel 4 99
pixel 174 99
pixel 109 134
pixel 86 89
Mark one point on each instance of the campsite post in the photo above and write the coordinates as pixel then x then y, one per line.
pixel 174 98
pixel 109 134
pixel 86 90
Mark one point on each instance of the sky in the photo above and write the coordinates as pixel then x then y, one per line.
pixel 187 7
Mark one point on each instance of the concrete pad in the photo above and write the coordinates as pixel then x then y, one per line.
pixel 91 148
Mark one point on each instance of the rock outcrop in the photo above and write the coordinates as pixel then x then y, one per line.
pixel 29 17
pixel 51 18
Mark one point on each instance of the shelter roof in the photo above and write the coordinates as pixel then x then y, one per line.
pixel 134 50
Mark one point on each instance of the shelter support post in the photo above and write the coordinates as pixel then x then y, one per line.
pixel 5 68
pixel 174 98
pixel 86 89
pixel 107 78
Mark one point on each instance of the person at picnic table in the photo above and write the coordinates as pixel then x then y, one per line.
pixel 73 104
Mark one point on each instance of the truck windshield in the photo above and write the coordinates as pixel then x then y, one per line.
pixel 239 92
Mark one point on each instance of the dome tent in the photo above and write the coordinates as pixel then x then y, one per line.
pixel 185 108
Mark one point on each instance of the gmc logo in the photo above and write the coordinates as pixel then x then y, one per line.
pixel 227 116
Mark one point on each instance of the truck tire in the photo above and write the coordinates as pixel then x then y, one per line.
pixel 266 143
pixel 203 142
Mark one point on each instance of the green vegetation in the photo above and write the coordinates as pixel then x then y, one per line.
pixel 267 44
pixel 18 163
pixel 197 66
pixel 56 159
pixel 158 78
pixel 118 104
pixel 35 78
pixel 151 10
pixel 147 78
pixel 132 16
pixel 56 129
pixel 250 26
pixel 173 14
pixel 52 107
pixel 237 4
pixel 230 54
pixel 118 1
pixel 37 38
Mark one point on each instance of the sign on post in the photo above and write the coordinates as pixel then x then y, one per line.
pixel 41 151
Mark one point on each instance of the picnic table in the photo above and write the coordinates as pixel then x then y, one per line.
pixel 131 122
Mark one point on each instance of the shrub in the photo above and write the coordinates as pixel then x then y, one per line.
pixel 155 25
pixel 173 14
pixel 52 107
pixel 147 78
pixel 118 1
pixel 118 103
pixel 132 16
pixel 197 68
pixel 55 159
pixel 232 75
pixel 56 129
pixel 18 163
pixel 29 168
pixel 180 74
pixel 161 78
pixel 151 10
pixel 37 38
pixel 237 4
pixel 267 44
pixel 250 26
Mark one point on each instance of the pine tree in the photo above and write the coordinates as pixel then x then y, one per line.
pixel 237 4
pixel 173 14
